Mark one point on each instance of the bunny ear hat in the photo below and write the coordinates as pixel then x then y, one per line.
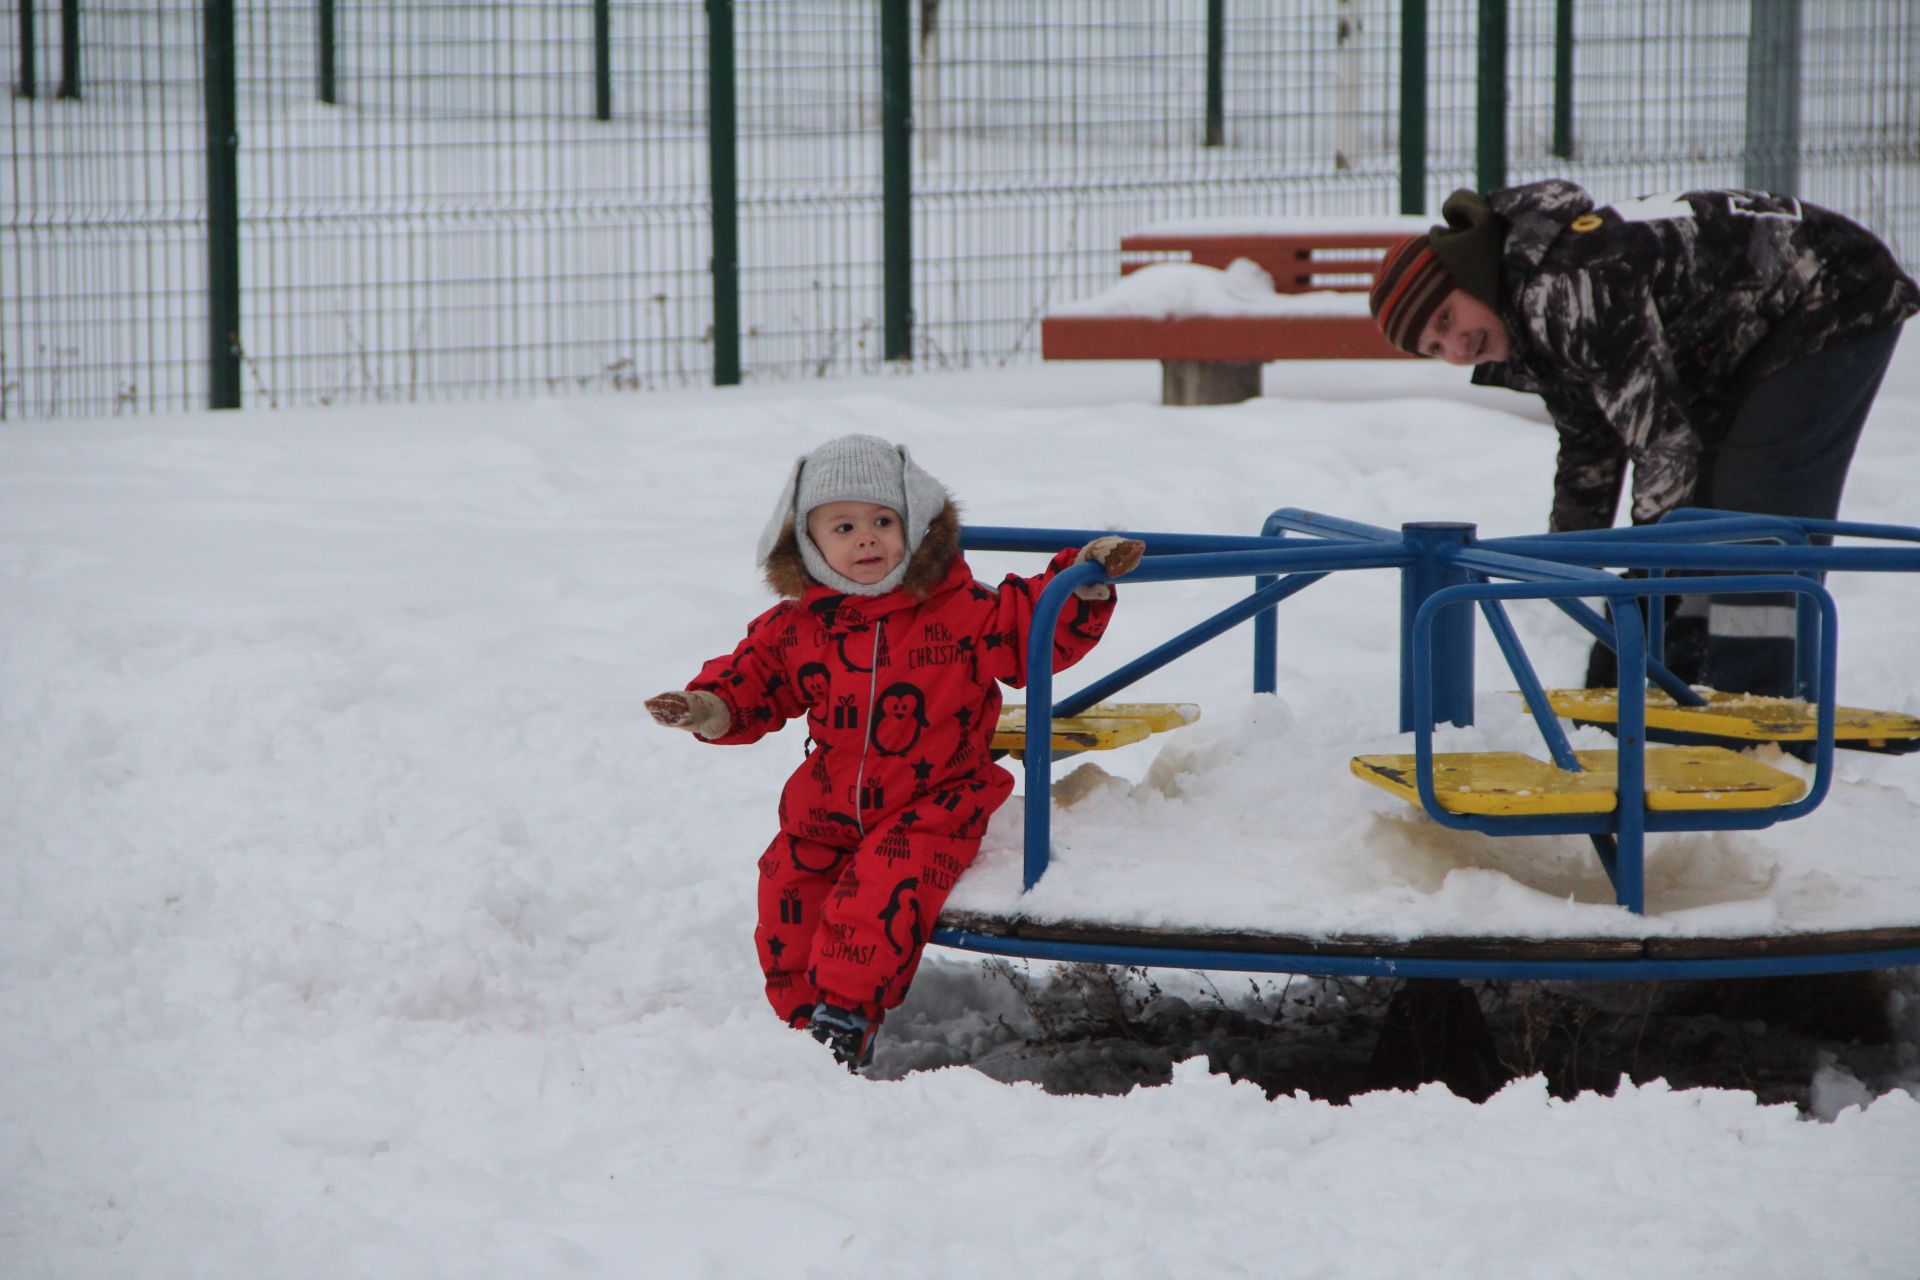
pixel 854 468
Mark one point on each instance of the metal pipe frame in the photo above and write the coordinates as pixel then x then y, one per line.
pixel 896 179
pixel 224 344
pixel 1216 135
pixel 1319 965
pixel 723 188
pixel 26 84
pixel 1558 568
pixel 1490 97
pixel 1630 821
pixel 70 82
pixel 326 53
pixel 602 59
pixel 1413 106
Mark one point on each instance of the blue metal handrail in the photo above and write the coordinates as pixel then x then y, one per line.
pixel 1629 822
pixel 1558 568
pixel 1315 559
pixel 1810 525
pixel 1282 567
pixel 1262 602
pixel 1320 524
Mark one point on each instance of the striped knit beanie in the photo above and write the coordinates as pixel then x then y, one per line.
pixel 1409 287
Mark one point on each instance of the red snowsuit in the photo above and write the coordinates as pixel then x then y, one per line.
pixel 875 828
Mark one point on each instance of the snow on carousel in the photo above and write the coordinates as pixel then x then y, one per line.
pixel 1650 836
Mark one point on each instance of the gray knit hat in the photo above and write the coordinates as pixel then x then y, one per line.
pixel 855 469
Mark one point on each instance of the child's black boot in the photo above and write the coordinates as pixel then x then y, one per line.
pixel 850 1035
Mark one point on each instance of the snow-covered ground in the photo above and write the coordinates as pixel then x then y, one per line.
pixel 356 922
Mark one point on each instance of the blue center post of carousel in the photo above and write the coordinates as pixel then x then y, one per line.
pixel 1427 565
pixel 1449 674
pixel 1442 574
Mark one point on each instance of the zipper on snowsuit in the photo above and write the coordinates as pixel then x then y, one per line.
pixel 860 774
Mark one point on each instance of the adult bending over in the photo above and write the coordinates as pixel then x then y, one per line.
pixel 1727 343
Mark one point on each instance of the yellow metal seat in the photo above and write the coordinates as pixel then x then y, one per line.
pixel 1101 727
pixel 1746 716
pixel 1514 784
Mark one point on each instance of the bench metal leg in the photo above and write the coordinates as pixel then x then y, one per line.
pixel 1188 382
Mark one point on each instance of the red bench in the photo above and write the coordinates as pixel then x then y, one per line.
pixel 1216 358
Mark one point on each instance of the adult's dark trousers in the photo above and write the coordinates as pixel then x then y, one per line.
pixel 1786 454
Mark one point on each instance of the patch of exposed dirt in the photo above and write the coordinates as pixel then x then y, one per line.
pixel 1820 1043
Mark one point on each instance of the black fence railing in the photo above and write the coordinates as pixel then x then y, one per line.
pixel 326 201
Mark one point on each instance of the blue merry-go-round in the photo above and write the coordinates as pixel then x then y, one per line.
pixel 1679 764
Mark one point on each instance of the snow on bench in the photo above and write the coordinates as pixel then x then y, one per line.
pixel 1213 299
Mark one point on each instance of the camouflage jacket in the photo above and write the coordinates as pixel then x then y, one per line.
pixel 1644 324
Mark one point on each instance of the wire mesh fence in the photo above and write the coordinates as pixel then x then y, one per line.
pixel 458 221
pixel 445 198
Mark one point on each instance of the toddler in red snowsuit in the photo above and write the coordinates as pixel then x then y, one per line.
pixel 892 652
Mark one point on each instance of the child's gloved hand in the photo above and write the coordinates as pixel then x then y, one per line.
pixel 1114 554
pixel 695 710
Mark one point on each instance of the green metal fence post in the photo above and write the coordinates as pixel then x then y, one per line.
pixel 1413 106
pixel 1490 132
pixel 69 49
pixel 223 208
pixel 602 60
pixel 1773 97
pixel 24 87
pixel 1563 79
pixel 896 180
pixel 1216 73
pixel 329 86
pixel 724 193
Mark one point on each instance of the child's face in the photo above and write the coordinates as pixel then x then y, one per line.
pixel 860 541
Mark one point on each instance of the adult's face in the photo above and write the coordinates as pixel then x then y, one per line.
pixel 1464 330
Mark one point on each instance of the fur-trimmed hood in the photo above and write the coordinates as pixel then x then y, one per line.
pixel 787 573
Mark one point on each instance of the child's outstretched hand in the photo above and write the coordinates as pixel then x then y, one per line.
pixel 694 710
pixel 1114 554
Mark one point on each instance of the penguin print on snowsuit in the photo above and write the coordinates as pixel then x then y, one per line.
pixel 899 719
